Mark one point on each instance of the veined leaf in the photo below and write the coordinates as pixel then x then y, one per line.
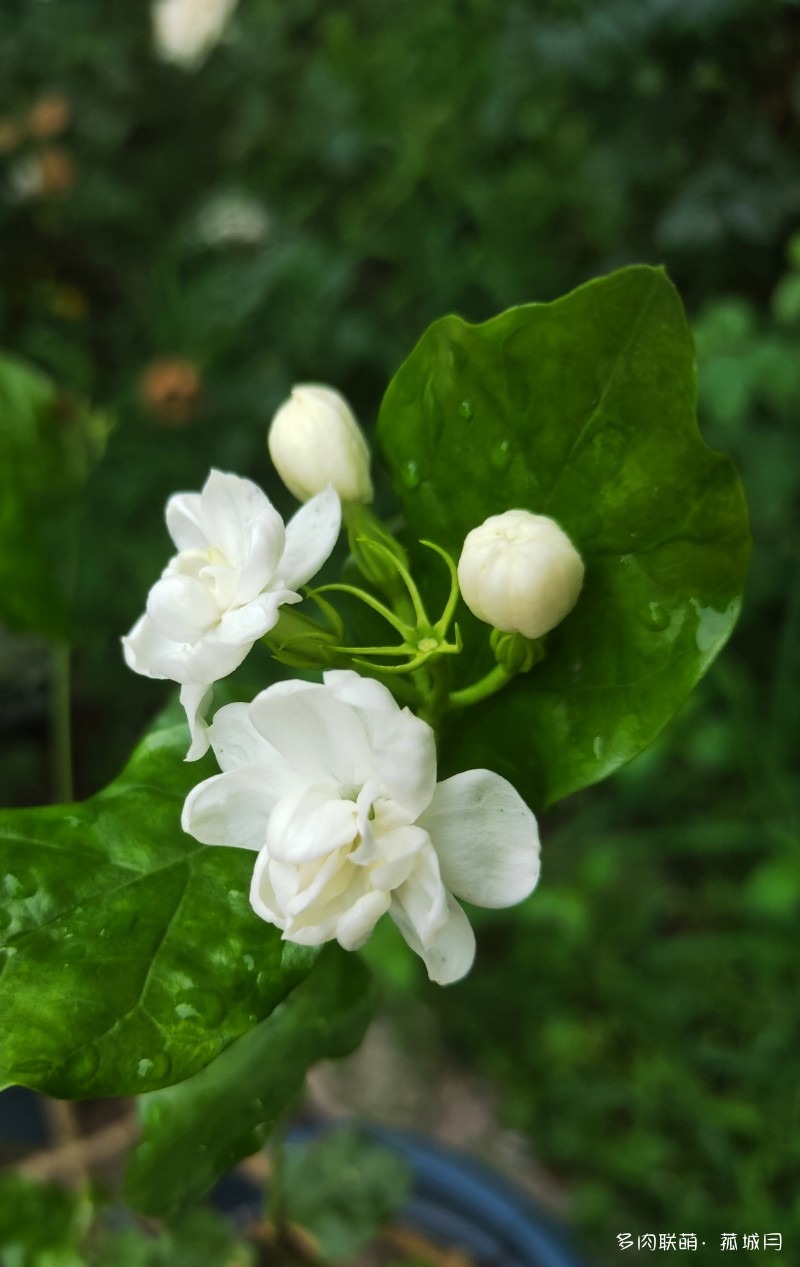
pixel 195 1131
pixel 129 955
pixel 583 410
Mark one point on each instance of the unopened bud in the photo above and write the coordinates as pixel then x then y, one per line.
pixel 520 572
pixel 314 441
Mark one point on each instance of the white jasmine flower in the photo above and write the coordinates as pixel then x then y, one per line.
pixel 187 30
pixel 314 440
pixel 520 572
pixel 236 565
pixel 334 787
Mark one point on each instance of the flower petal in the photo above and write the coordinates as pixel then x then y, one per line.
pixel 196 699
pixel 144 646
pixel 317 734
pixel 229 506
pixel 183 521
pixel 231 809
pixel 181 608
pixel 355 926
pixel 263 553
pixel 486 838
pixel 248 624
pixel 309 823
pixel 402 746
pixel 236 742
pixel 262 894
pixel 423 898
pixel 450 954
pixel 310 537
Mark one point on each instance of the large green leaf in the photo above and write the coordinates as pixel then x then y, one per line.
pixel 195 1131
pixel 129 955
pixel 583 410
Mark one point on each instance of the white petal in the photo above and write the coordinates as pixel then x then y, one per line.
pixel 262 893
pixel 231 809
pixel 310 537
pixel 144 646
pixel 183 522
pixel 403 747
pixel 309 823
pixel 263 553
pixel 423 898
pixel 229 506
pixel 196 699
pixel 316 733
pixel 181 607
pixel 486 838
pixel 357 923
pixel 450 955
pixel 248 624
pixel 207 660
pixel 236 742
pixel 361 692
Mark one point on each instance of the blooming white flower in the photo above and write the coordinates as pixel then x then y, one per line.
pixel 236 565
pixel 187 30
pixel 520 572
pixel 314 440
pixel 334 786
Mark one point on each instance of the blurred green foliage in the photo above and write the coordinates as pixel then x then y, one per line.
pixel 397 163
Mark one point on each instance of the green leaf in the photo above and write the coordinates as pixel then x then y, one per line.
pixel 48 443
pixel 129 954
pixel 194 1132
pixel 40 1224
pixel 583 410
pixel 343 1189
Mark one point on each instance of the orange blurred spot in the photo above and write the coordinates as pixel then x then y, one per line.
pixel 171 391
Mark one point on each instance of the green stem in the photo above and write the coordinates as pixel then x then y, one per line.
pixel 493 682
pixel 60 725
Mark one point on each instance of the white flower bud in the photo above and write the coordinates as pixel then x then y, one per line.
pixel 520 572
pixel 314 440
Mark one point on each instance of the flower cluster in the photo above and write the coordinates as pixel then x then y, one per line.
pixel 333 784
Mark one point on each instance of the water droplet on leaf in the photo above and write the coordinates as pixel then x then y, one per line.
pixel 81 1065
pixel 465 409
pixel 410 476
pixel 204 1006
pixel 154 1067
pixel 500 456
pixel 656 617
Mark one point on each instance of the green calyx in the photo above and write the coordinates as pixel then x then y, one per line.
pixel 421 638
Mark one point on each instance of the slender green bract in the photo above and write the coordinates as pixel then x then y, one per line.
pixel 195 1131
pixel 129 955
pixel 582 410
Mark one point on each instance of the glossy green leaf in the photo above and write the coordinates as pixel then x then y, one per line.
pixel 129 954
pixel 195 1131
pixel 583 410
